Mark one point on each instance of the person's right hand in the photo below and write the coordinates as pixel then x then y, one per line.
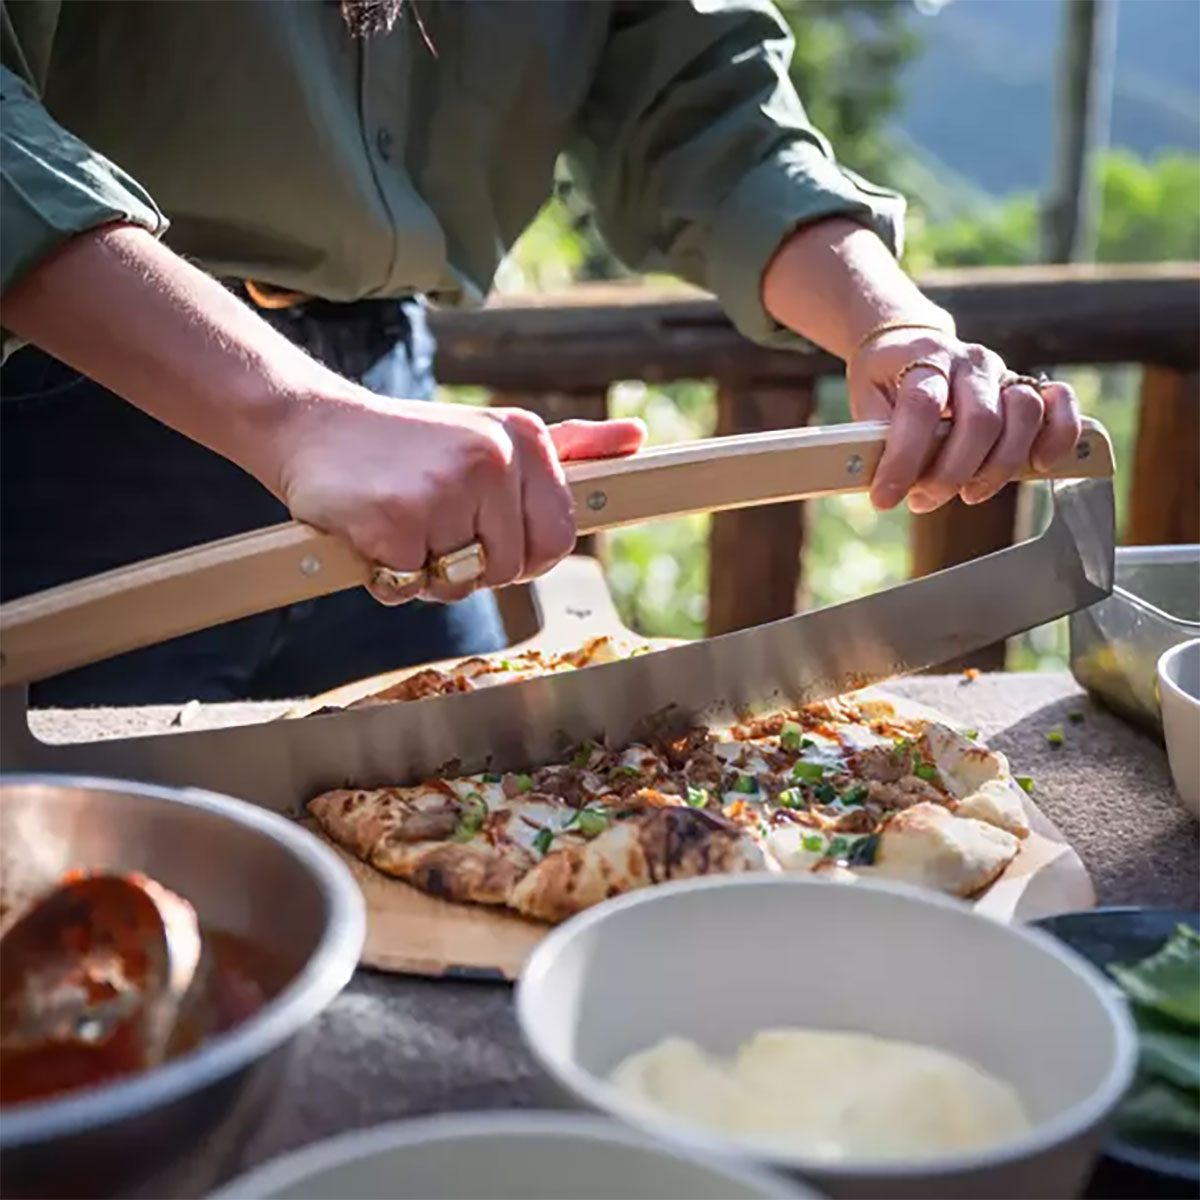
pixel 405 481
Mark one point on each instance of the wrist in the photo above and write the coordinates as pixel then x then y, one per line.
pixel 835 283
pixel 931 320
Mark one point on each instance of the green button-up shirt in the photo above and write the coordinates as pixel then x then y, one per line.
pixel 283 150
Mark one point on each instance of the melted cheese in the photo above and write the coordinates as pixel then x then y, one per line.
pixel 828 1095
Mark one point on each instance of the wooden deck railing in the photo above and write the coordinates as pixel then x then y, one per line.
pixel 559 354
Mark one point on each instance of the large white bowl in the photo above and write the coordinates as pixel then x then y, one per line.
pixel 504 1156
pixel 715 960
pixel 1179 696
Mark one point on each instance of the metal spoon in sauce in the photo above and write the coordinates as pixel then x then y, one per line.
pixel 103 975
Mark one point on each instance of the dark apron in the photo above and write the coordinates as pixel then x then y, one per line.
pixel 88 483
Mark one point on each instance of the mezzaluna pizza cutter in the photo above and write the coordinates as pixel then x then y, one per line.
pixel 803 658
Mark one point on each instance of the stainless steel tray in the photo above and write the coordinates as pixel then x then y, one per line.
pixel 1116 644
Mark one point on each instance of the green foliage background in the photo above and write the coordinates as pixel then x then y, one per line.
pixel 848 69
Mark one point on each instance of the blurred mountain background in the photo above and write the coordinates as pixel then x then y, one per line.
pixel 953 103
pixel 978 95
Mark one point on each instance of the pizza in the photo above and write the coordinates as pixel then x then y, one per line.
pixel 844 789
pixel 472 674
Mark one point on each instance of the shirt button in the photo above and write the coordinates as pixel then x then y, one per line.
pixel 383 140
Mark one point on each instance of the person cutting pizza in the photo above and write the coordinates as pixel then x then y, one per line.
pixel 218 224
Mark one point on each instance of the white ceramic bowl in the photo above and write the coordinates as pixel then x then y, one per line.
pixel 504 1156
pixel 716 960
pixel 1179 696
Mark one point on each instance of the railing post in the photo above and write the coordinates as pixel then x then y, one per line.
pixel 1164 499
pixel 957 533
pixel 754 553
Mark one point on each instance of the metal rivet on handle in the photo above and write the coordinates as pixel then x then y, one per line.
pixel 596 501
pixel 1083 450
pixel 854 464
pixel 310 564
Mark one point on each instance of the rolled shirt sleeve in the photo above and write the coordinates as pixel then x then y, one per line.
pixel 698 155
pixel 53 186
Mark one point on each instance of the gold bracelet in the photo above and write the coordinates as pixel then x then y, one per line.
pixel 895 325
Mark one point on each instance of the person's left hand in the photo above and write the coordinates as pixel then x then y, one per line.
pixel 998 426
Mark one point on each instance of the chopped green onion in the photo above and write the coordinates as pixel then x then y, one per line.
pixel 838 847
pixel 697 797
pixel 808 771
pixel 826 793
pixel 1025 783
pixel 856 795
pixel 541 843
pixel 1055 737
pixel 862 853
pixel 583 755
pixel 791 798
pixel 592 822
pixel 626 770
pixel 470 818
pixel 806 743
pixel 746 784
pixel 814 843
pixel 791 737
pixel 1075 717
pixel 926 771
pixel 491 777
pixel 973 734
pixel 524 783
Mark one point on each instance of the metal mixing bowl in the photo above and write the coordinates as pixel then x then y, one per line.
pixel 173 1131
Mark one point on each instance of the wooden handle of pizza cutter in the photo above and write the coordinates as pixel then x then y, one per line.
pixel 140 605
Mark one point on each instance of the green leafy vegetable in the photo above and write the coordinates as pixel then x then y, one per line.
pixel 1156 1108
pixel 808 771
pixel 592 822
pixel 1164 994
pixel 471 817
pixel 839 847
pixel 826 793
pixel 791 737
pixel 1168 1053
pixel 856 795
pixel 541 843
pixel 1168 982
pixel 862 853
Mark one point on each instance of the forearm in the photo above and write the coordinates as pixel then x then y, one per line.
pixel 834 281
pixel 124 310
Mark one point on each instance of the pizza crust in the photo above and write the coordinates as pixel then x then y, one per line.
pixel 929 846
pixel 655 845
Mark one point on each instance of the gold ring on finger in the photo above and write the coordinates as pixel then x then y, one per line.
pixel 928 364
pixel 388 579
pixel 462 566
